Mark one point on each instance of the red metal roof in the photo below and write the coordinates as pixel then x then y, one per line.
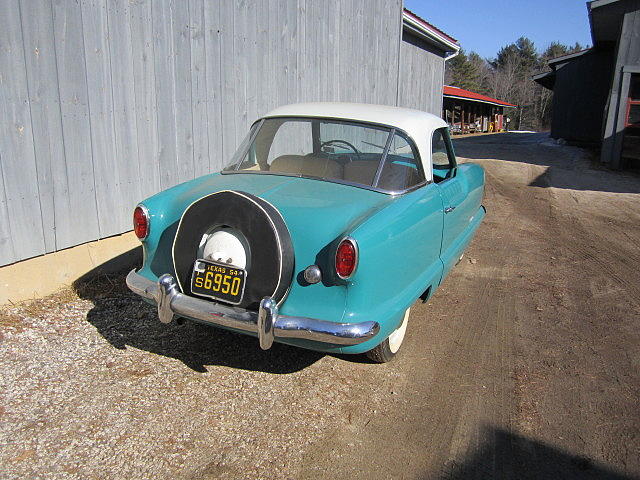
pixel 450 91
pixel 429 26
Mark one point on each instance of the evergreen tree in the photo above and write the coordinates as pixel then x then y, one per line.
pixel 484 72
pixel 463 73
pixel 555 49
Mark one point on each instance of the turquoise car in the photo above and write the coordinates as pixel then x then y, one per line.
pixel 322 231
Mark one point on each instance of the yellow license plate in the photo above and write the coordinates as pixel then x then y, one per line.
pixel 218 281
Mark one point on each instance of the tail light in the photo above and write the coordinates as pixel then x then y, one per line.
pixel 346 258
pixel 141 222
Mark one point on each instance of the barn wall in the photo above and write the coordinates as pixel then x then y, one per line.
pixel 421 76
pixel 105 102
pixel 587 76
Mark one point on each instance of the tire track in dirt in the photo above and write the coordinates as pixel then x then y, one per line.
pixel 504 373
pixel 550 400
pixel 580 381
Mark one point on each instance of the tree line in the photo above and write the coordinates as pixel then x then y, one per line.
pixel 508 77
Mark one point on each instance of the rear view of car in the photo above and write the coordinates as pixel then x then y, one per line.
pixel 321 231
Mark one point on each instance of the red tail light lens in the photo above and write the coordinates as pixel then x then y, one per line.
pixel 346 258
pixel 140 222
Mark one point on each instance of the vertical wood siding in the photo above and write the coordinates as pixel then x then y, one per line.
pixel 105 102
pixel 587 76
pixel 421 76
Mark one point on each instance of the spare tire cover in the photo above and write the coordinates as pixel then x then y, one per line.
pixel 270 255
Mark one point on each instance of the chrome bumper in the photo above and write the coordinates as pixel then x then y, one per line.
pixel 267 323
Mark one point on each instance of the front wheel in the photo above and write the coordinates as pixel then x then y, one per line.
pixel 389 347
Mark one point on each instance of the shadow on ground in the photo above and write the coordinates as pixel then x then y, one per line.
pixel 539 149
pixel 507 455
pixel 124 319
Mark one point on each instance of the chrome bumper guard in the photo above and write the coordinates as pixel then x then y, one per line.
pixel 266 322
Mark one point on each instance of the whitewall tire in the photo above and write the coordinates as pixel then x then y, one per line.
pixel 391 345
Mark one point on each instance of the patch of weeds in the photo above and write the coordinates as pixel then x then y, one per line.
pixel 99 286
pixel 39 306
pixel 106 284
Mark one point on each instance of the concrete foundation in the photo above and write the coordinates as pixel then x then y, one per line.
pixel 43 275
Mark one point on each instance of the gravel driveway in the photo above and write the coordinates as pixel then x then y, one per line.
pixel 525 364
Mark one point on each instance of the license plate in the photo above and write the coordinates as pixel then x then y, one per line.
pixel 218 281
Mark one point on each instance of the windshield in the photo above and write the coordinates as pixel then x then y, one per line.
pixel 346 152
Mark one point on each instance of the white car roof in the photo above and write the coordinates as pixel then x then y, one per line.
pixel 407 119
pixel 417 124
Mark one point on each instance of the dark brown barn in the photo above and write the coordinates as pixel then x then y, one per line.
pixel 596 92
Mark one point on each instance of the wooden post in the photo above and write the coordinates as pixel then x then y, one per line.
pixel 462 117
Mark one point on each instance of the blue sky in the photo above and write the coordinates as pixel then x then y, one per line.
pixel 486 26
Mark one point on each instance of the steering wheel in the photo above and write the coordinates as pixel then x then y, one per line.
pixel 341 143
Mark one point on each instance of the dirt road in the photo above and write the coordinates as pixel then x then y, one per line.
pixel 525 364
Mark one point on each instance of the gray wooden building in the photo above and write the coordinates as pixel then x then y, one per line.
pixel 105 102
pixel 596 92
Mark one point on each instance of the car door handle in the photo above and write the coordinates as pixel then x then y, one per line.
pixel 449 209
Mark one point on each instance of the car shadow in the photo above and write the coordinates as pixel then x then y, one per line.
pixel 125 320
pixel 570 168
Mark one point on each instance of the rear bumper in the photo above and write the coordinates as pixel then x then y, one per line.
pixel 267 323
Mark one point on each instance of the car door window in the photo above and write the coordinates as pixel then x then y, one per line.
pixel 443 159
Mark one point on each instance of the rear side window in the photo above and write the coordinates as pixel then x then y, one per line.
pixel 442 157
pixel 402 169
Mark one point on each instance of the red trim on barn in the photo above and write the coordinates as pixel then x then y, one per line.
pixel 450 91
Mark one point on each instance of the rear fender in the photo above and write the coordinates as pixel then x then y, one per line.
pixel 399 258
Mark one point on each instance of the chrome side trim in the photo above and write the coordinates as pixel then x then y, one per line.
pixel 267 323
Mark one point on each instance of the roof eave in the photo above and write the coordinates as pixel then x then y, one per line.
pixel 546 79
pixel 591 7
pixel 600 3
pixel 568 56
pixel 458 97
pixel 417 28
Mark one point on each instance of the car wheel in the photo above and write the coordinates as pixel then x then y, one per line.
pixel 391 345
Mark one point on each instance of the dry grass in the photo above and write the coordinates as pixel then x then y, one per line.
pixel 37 306
pixel 98 286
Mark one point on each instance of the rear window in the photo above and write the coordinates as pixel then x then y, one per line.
pixel 346 152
